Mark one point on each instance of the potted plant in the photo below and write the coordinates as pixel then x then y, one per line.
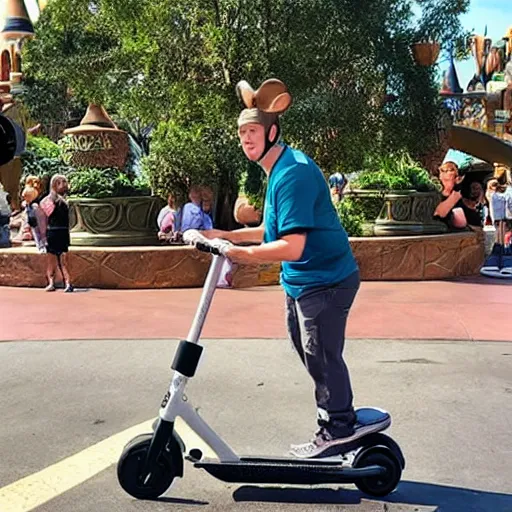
pixel 109 207
pixel 110 202
pixel 426 52
pixel 396 196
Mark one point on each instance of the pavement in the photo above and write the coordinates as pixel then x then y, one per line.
pixel 84 373
pixel 465 309
pixel 69 407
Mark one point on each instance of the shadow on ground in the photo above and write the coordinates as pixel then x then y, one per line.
pixel 444 498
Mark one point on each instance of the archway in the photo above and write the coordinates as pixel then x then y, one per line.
pixel 480 144
pixel 5 66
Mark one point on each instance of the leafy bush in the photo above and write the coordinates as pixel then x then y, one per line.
pixel 178 159
pixel 36 166
pixel 42 159
pixel 394 172
pixel 351 219
pixel 253 184
pixel 42 147
pixel 368 207
pixel 100 183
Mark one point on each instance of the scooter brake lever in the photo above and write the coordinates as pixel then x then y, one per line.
pixel 200 246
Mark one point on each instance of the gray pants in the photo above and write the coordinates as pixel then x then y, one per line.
pixel 316 325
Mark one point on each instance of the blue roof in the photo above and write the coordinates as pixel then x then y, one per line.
pixel 21 25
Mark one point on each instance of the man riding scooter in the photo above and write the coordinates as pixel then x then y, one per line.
pixel 319 274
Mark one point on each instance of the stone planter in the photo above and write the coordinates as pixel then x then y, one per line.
pixel 117 221
pixel 409 213
pixel 399 212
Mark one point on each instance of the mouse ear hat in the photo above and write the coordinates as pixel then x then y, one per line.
pixel 264 106
pixel 272 97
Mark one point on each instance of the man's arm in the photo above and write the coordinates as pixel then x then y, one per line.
pixel 446 206
pixel 238 236
pixel 287 248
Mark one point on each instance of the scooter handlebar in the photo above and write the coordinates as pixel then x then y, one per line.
pixel 216 246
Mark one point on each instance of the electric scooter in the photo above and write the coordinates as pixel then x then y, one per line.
pixel 150 462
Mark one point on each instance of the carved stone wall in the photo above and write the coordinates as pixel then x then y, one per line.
pixel 419 257
pixel 390 258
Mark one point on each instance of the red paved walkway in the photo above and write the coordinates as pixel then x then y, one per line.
pixel 463 310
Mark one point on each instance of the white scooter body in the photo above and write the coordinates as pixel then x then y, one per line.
pixel 373 462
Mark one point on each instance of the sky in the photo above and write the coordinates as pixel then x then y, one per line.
pixel 33 10
pixel 497 15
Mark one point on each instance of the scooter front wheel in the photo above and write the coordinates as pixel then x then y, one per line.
pixel 131 466
pixel 381 485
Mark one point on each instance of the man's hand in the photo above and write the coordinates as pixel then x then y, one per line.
pixel 215 233
pixel 456 195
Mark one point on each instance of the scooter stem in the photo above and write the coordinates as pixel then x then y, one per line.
pixel 206 298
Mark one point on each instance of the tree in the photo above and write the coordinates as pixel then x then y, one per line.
pixel 357 90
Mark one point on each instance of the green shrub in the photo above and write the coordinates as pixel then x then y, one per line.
pixel 394 172
pixel 42 147
pixel 253 183
pixel 100 183
pixel 42 159
pixel 351 219
pixel 179 158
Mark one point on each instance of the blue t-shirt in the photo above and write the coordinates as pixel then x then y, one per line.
pixel 298 201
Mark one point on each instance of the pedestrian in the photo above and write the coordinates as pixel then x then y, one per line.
pixel 451 209
pixel 319 274
pixel 58 238
pixel 192 215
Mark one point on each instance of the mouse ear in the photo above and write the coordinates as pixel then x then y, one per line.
pixel 280 104
pixel 246 94
pixel 273 97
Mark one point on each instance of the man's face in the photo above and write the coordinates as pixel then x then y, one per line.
pixel 252 137
pixel 448 174
pixel 61 187
pixel 476 190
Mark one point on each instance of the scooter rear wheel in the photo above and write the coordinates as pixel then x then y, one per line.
pixel 381 485
pixel 131 465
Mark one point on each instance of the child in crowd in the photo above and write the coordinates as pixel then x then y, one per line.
pixel 5 213
pixel 167 220
pixel 196 214
pixel 36 218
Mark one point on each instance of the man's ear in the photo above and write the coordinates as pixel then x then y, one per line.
pixel 272 134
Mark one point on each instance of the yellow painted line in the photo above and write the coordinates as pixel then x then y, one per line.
pixel 36 489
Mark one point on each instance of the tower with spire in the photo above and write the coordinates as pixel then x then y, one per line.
pixel 15 28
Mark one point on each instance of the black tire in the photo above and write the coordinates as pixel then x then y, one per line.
pixel 130 466
pixel 383 485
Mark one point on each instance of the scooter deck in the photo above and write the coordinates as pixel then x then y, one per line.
pixel 275 470
pixel 288 471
